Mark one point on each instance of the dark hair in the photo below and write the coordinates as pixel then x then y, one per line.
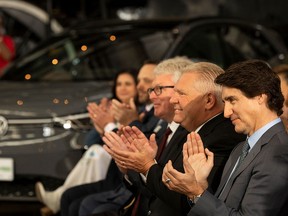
pixel 131 72
pixel 254 77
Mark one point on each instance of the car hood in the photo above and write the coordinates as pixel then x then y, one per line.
pixel 45 100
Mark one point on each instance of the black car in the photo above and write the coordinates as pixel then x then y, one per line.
pixel 43 118
pixel 27 24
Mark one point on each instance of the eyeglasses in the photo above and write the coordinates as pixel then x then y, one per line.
pixel 158 89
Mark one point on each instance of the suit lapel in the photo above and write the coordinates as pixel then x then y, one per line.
pixel 229 167
pixel 248 160
pixel 175 145
pixel 209 126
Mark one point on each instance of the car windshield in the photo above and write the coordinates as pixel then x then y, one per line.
pixel 224 44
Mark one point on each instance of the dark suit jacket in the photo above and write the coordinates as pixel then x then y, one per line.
pixel 258 186
pixel 218 136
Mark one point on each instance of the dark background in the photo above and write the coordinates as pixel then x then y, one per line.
pixel 266 12
pixel 263 11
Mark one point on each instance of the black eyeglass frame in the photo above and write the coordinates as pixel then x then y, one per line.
pixel 157 89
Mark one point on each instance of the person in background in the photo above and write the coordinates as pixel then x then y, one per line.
pixel 94 163
pixel 255 177
pixel 101 114
pixel 7 46
pixel 282 71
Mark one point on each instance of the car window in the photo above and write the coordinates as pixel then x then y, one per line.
pixel 225 44
pixel 250 43
pixel 90 56
pixel 24 38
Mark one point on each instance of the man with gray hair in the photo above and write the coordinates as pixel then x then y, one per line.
pixel 197 106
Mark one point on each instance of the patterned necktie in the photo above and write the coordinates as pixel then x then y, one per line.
pixel 163 143
pixel 245 150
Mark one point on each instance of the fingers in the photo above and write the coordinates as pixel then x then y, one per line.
pixel 189 145
pixel 116 103
pixel 121 165
pixel 95 112
pixel 210 157
pixel 111 140
pixel 104 103
pixel 132 104
pixel 195 144
pixel 170 173
pixel 117 106
pixel 165 174
pixel 131 132
pixel 185 151
pixel 128 134
pixel 187 166
pixel 138 133
pixel 199 143
pixel 118 155
pixel 152 141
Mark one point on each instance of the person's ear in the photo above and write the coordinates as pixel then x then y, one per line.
pixel 210 100
pixel 262 98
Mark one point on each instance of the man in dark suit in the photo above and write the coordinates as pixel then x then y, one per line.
pixel 255 177
pixel 197 105
pixel 149 123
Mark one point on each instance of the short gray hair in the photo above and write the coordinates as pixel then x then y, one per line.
pixel 208 72
pixel 172 66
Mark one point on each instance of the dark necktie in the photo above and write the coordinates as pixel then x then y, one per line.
pixel 163 143
pixel 159 153
pixel 244 152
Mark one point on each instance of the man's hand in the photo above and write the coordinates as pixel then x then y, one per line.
pixel 137 141
pixel 200 159
pixel 197 164
pixel 100 116
pixel 114 146
pixel 133 150
pixel 124 113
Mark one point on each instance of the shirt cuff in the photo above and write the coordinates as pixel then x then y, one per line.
pixel 110 127
pixel 126 177
pixel 144 177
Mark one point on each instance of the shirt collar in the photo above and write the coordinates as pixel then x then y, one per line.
pixel 197 129
pixel 253 139
pixel 173 126
pixel 148 107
